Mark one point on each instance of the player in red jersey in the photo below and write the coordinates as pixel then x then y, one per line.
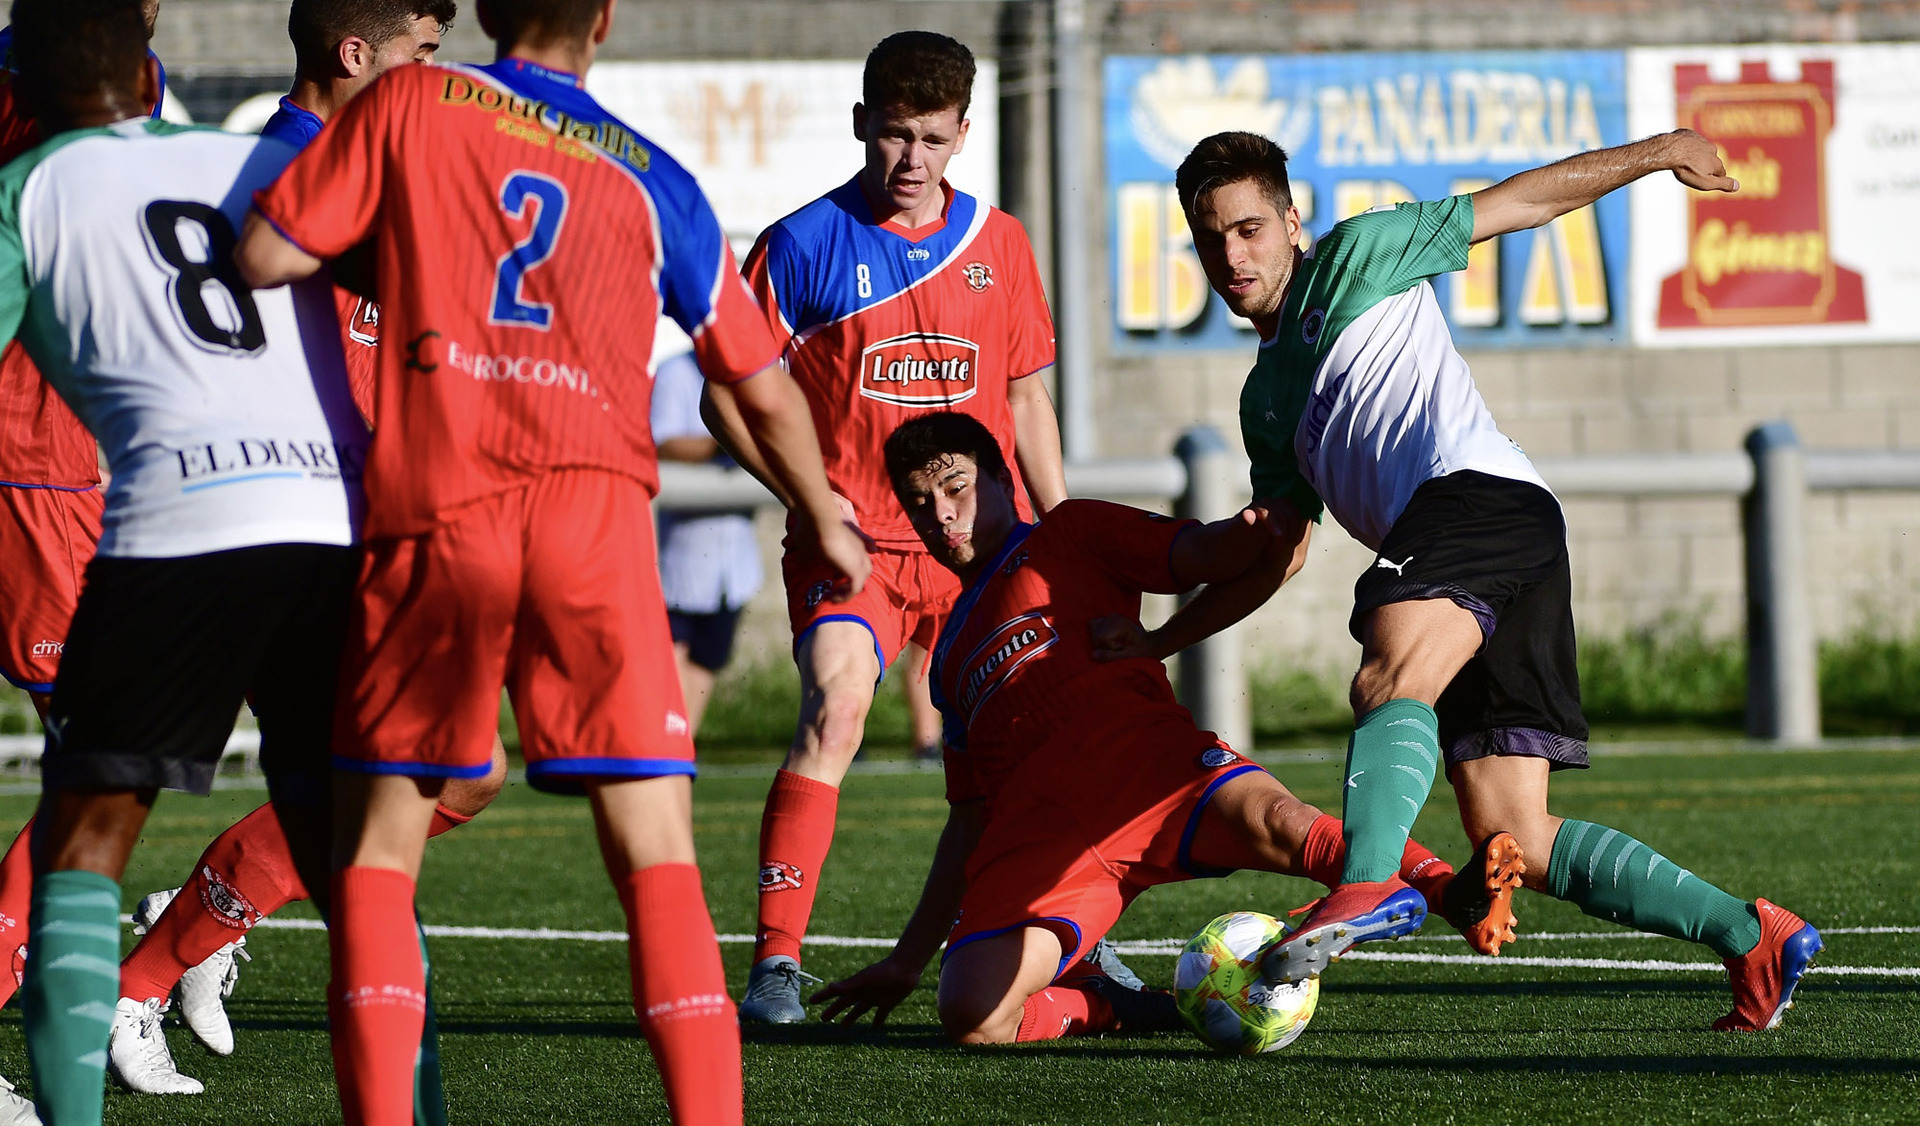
pixel 1035 863
pixel 509 538
pixel 892 295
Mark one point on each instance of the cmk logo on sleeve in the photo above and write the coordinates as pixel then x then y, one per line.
pixel 920 369
pixel 1001 654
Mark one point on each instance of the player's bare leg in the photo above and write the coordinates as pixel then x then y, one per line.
pixel 985 986
pixel 696 684
pixel 679 986
pixel 1411 651
pixel 838 670
pixel 929 729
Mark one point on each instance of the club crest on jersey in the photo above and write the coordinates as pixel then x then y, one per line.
pixel 363 327
pixel 817 593
pixel 777 876
pixel 1312 325
pixel 1003 652
pixel 979 276
pixel 920 369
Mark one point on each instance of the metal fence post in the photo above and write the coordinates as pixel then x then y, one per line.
pixel 1783 685
pixel 1213 674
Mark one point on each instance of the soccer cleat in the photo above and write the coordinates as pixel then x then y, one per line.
pixel 1103 960
pixel 1135 1009
pixel 148 911
pixel 1347 916
pixel 1478 901
pixel 773 992
pixel 137 1055
pixel 202 991
pixel 15 1110
pixel 1764 978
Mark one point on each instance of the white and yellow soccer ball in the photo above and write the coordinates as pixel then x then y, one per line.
pixel 1221 995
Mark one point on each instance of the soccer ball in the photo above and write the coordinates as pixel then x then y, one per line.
pixel 1221 995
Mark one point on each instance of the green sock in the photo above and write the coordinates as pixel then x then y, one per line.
pixel 73 980
pixel 429 1097
pixel 1391 761
pixel 1611 876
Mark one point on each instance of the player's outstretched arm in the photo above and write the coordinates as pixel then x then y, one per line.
pixel 1540 195
pixel 1036 442
pixel 883 985
pixel 1242 559
pixel 723 420
pixel 268 258
pixel 773 413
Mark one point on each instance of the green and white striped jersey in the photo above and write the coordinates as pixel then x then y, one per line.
pixel 223 411
pixel 1360 397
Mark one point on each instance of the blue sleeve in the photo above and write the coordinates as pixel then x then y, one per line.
pixel 696 259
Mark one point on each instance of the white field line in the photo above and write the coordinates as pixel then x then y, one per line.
pixel 1170 946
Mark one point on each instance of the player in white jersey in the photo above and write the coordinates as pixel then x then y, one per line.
pixel 227 552
pixel 1359 405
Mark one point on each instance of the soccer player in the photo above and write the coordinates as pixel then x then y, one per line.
pixel 1359 405
pixel 193 935
pixel 508 525
pixel 892 295
pixel 227 554
pixel 1035 863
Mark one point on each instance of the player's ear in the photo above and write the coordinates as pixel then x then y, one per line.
pixel 151 90
pixel 603 22
pixel 860 122
pixel 354 55
pixel 960 138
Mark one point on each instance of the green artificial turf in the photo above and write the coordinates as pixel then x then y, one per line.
pixel 542 1031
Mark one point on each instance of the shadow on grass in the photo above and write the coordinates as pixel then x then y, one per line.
pixel 1615 987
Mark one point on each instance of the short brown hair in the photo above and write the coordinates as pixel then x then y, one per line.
pixel 318 27
pixel 536 23
pixel 932 438
pixel 67 51
pixel 1230 158
pixel 920 72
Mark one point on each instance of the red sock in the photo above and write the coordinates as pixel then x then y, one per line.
pixel 245 875
pixel 444 819
pixel 680 994
pixel 377 999
pixel 795 832
pixel 1058 1011
pixel 16 896
pixel 1325 852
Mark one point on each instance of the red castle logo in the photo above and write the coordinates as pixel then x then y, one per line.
pixel 364 326
pixel 994 661
pixel 920 369
pixel 1761 255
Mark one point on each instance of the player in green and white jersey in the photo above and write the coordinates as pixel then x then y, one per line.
pixel 228 551
pixel 1360 406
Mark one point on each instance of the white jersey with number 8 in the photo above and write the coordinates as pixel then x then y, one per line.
pixel 223 411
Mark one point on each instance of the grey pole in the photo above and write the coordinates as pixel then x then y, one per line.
pixel 1213 674
pixel 1072 204
pixel 1783 686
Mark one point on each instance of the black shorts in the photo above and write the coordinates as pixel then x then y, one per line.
pixel 708 637
pixel 163 652
pixel 1498 548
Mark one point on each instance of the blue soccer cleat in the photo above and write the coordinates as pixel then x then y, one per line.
pixel 1349 915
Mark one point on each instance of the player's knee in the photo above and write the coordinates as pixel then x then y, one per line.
pixel 972 1019
pixel 468 796
pixel 838 717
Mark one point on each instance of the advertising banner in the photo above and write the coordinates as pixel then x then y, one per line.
pixel 763 138
pixel 1362 131
pixel 1820 244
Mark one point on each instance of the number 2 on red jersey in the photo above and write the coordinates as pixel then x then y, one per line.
pixel 548 198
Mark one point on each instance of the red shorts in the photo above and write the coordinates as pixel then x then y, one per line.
pixel 550 589
pixel 47 536
pixel 1069 856
pixel 906 598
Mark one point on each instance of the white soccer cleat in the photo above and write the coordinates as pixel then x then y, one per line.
pixel 137 1055
pixel 14 1109
pixel 147 912
pixel 202 992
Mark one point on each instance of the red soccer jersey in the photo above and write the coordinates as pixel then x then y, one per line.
pixel 1014 665
pixel 527 241
pixel 360 343
pixel 880 323
pixel 41 442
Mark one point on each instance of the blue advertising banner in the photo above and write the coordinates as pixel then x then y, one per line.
pixel 1362 131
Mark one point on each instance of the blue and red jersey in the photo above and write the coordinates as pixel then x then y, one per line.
pixel 527 241
pixel 1014 665
pixel 879 323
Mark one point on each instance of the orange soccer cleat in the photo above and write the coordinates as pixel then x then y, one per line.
pixel 1764 977
pixel 1478 901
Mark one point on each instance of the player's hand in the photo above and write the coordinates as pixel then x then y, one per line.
pixel 876 989
pixel 1697 163
pixel 846 547
pixel 1117 637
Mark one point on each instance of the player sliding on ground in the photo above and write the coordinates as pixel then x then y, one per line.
pixel 892 295
pixel 509 531
pixel 1359 405
pixel 1038 859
